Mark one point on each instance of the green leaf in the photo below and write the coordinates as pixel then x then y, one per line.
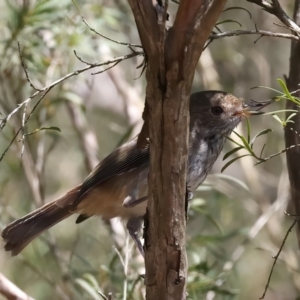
pixel 233 160
pixel 279 120
pixel 287 92
pixel 248 130
pixel 233 179
pixel 43 128
pixel 88 289
pixel 92 280
pixel 262 132
pixel 233 141
pixel 232 151
pixel 247 146
pixel 290 117
pixel 268 88
pixel 280 111
pixel 284 88
pixel 262 150
pixel 237 134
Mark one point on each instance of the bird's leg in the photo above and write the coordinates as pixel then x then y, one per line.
pixel 133 226
pixel 132 199
pixel 190 194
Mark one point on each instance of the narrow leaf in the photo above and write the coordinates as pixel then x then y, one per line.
pixel 262 132
pixel 280 111
pixel 233 160
pixel 233 141
pixel 87 288
pixel 290 117
pixel 247 146
pixel 248 130
pixel 43 128
pixel 286 91
pixel 278 119
pixel 262 150
pixel 232 151
pixel 268 88
pixel 233 179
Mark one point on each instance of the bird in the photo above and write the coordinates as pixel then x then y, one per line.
pixel 118 185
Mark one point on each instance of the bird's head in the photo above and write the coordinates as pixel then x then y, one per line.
pixel 217 111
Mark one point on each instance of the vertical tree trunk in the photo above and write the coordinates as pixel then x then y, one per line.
pixel 172 57
pixel 293 155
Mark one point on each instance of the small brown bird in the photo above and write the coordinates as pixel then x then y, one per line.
pixel 118 186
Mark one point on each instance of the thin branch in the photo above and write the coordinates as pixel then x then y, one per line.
pixel 284 18
pixel 83 61
pixel 25 69
pixel 106 37
pixel 110 67
pixel 58 81
pixel 280 152
pixel 261 222
pixel 277 255
pixel 216 36
pixel 275 9
pixel 11 291
pixel 109 297
pixel 23 130
pixel 27 119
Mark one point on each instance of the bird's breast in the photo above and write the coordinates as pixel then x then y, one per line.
pixel 202 155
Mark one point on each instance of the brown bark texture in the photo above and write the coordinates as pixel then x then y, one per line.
pixel 293 155
pixel 171 56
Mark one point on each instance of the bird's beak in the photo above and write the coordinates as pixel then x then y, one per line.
pixel 245 112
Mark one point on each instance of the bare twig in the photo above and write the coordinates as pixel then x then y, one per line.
pixel 23 129
pixel 275 9
pixel 109 296
pixel 284 18
pixel 277 255
pixel 58 81
pixel 25 69
pixel 110 67
pixel 29 116
pixel 277 205
pixel 216 36
pixel 280 152
pixel 267 6
pixel 106 37
pixel 11 291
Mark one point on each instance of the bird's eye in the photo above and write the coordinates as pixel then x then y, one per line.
pixel 216 110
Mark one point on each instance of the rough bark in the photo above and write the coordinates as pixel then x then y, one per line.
pixel 293 155
pixel 172 57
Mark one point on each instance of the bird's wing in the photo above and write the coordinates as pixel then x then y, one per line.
pixel 123 159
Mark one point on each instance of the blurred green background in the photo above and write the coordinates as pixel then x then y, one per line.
pixel 236 220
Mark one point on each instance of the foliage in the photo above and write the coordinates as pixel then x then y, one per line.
pixel 229 249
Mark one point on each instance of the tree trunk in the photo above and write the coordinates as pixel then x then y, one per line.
pixel 172 56
pixel 291 138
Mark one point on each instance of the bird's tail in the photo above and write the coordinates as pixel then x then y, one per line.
pixel 18 234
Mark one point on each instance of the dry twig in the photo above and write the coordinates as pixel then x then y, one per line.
pixel 278 253
pixel 11 291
